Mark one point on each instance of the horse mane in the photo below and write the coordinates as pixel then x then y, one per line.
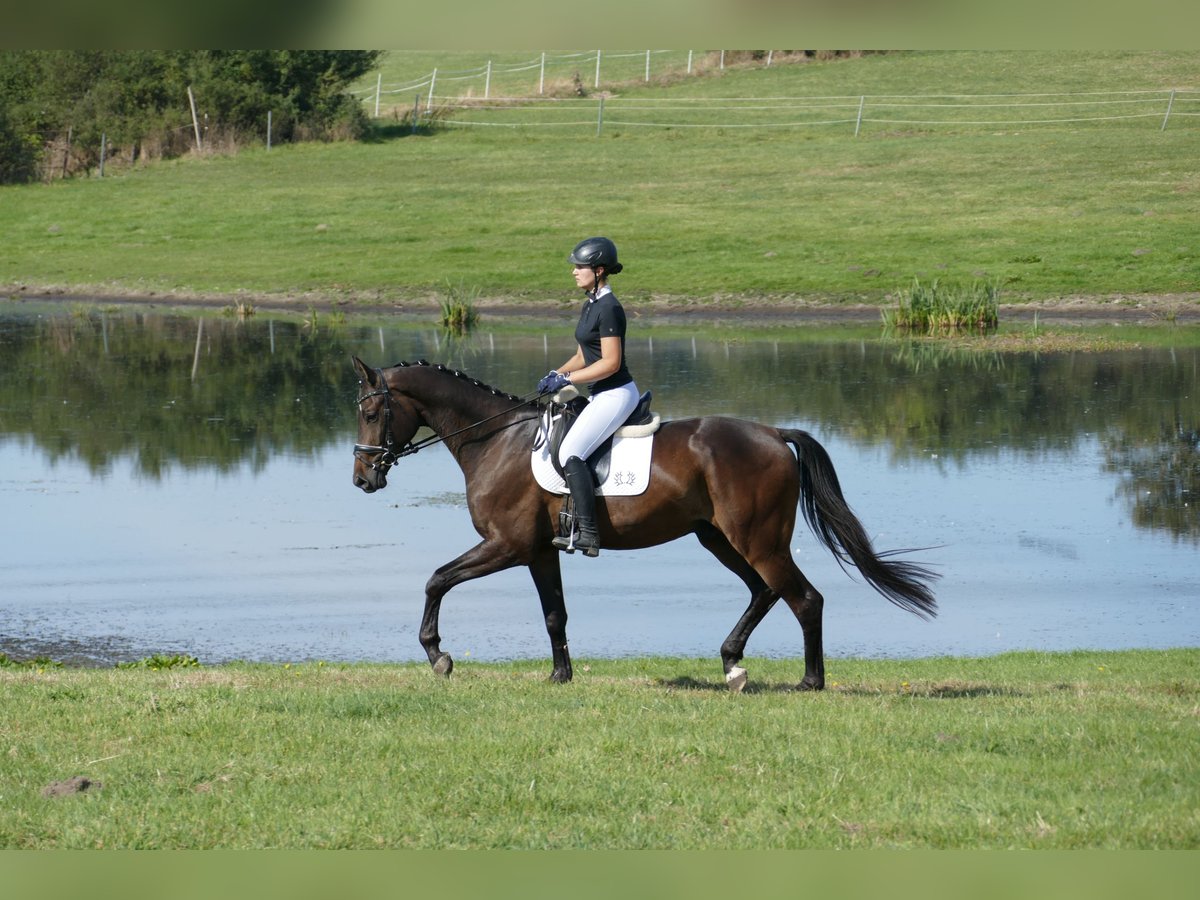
pixel 438 367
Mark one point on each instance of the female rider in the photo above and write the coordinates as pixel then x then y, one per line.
pixel 599 361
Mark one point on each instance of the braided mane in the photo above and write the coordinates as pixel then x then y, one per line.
pixel 464 376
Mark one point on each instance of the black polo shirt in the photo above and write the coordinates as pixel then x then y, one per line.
pixel 602 317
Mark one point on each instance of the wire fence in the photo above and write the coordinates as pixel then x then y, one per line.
pixel 853 114
pixel 536 94
pixel 550 74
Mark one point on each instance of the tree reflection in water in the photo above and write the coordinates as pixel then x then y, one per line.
pixel 217 393
pixel 1160 477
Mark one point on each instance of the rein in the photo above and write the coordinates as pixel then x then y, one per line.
pixel 388 454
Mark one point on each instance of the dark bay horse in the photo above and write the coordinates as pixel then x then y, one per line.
pixel 734 484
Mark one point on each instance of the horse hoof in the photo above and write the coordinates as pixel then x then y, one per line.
pixel 812 685
pixel 735 679
pixel 443 666
pixel 560 676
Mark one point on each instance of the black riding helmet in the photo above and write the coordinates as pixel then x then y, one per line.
pixel 596 251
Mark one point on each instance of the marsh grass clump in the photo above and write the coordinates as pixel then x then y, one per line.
pixel 936 308
pixel 459 315
pixel 162 661
pixel 240 310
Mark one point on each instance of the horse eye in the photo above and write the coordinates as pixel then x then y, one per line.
pixel 371 416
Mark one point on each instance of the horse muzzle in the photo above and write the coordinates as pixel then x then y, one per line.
pixel 370 480
pixel 371 475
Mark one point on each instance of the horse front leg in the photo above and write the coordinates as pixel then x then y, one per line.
pixel 547 577
pixel 484 558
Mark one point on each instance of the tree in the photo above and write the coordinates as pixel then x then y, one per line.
pixel 138 99
pixel 18 154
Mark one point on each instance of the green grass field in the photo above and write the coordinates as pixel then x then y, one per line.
pixel 1054 751
pixel 1046 211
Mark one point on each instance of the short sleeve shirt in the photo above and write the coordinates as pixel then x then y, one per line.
pixel 602 317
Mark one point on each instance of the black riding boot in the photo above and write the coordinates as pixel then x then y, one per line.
pixel 583 494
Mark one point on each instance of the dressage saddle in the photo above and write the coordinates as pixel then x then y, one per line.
pixel 561 415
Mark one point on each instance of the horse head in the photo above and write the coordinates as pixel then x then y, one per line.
pixel 387 421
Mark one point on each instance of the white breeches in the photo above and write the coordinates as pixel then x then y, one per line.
pixel 604 414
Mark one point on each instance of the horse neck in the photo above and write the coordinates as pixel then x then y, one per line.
pixel 450 402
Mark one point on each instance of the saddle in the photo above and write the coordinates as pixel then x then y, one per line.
pixel 562 411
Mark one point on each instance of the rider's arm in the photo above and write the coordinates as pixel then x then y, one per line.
pixel 608 363
pixel 573 364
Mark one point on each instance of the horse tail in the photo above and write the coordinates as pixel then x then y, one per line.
pixel 835 525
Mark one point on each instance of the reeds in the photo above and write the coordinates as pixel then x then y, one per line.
pixel 458 309
pixel 945 309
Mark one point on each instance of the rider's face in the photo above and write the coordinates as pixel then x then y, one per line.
pixel 585 278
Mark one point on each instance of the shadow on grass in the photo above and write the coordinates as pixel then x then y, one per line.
pixel 687 683
pixel 928 692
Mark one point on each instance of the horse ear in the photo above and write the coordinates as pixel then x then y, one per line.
pixel 366 374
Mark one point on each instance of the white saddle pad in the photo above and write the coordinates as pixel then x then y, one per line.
pixel 628 474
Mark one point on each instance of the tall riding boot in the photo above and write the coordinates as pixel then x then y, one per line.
pixel 583 494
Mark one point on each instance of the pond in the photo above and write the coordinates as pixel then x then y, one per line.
pixel 181 483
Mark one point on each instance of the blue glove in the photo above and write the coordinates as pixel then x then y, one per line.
pixel 553 383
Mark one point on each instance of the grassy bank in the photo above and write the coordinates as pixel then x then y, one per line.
pixel 1044 211
pixel 1088 749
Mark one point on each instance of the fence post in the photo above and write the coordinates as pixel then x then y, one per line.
pixel 195 121
pixel 103 150
pixel 269 130
pixel 432 81
pixel 487 82
pixel 769 55
pixel 689 62
pixel 600 117
pixel 378 91
pixel 722 59
pixel 542 75
pixel 647 65
pixel 597 69
pixel 1170 103
pixel 858 123
pixel 67 150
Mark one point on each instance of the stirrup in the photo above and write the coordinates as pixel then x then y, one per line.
pixel 565 542
pixel 568 545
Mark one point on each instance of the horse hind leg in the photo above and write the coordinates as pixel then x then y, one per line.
pixel 762 599
pixel 807 605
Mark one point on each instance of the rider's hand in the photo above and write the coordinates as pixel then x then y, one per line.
pixel 553 383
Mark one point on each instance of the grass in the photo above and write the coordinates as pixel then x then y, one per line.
pixel 1044 212
pixel 1086 749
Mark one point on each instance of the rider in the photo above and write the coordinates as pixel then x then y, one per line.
pixel 600 362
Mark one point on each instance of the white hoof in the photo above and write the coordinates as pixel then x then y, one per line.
pixel 735 678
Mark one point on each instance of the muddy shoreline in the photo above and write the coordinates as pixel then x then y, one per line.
pixel 1097 309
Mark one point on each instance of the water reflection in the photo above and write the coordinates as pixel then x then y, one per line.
pixel 198 468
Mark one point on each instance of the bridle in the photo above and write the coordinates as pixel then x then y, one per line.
pixel 386 455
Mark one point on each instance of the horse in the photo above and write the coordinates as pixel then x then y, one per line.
pixel 733 483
